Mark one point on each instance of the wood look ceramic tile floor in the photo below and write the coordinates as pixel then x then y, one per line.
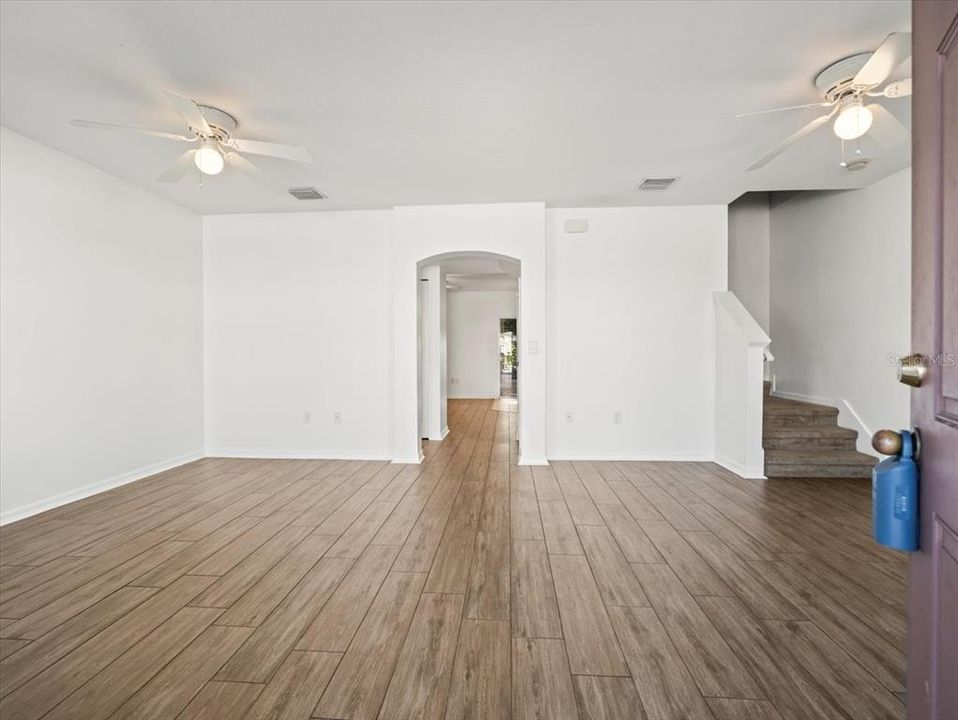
pixel 464 587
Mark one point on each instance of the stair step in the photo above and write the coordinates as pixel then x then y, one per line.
pixel 830 458
pixel 781 406
pixel 810 431
pixel 816 471
pixel 828 442
pixel 808 437
pixel 784 421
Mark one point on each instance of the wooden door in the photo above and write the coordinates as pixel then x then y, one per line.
pixel 933 581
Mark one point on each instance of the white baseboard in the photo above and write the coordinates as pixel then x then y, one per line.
pixel 814 399
pixel 34 508
pixel 528 460
pixel 631 457
pixel 291 455
pixel 442 435
pixel 741 470
pixel 410 461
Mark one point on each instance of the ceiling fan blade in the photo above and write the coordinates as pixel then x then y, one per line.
pixel 238 162
pixel 190 112
pixel 287 152
pixel 130 129
pixel 895 49
pixel 782 109
pixel 791 140
pixel 176 172
pixel 902 88
pixel 886 129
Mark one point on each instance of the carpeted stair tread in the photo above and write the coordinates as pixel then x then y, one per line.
pixel 818 457
pixel 810 431
pixel 779 406
pixel 779 472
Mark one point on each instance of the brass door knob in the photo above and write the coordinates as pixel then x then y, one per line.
pixel 912 370
pixel 887 442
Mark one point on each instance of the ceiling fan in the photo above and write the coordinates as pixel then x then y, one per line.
pixel 845 85
pixel 211 130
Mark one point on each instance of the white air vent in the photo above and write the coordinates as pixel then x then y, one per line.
pixel 306 193
pixel 659 183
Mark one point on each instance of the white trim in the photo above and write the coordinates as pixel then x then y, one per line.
pixel 632 457
pixel 849 417
pixel 400 461
pixel 526 460
pixel 739 470
pixel 25 511
pixel 814 399
pixel 291 455
pixel 442 435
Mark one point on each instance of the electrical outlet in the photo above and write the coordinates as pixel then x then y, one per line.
pixel 337 417
pixel 307 417
pixel 568 417
pixel 617 417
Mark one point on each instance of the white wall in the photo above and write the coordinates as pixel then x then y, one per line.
pixel 100 330
pixel 739 396
pixel 513 230
pixel 473 331
pixel 433 361
pixel 297 322
pixel 841 300
pixel 748 254
pixel 631 331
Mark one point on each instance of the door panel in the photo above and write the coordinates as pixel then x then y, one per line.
pixel 933 575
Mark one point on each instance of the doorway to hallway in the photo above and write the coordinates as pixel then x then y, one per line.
pixel 508 358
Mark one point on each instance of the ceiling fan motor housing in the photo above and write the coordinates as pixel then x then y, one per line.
pixel 221 122
pixel 835 81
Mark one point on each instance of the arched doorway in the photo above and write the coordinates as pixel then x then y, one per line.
pixel 423 235
pixel 463 300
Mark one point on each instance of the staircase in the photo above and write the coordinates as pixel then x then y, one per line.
pixel 804 440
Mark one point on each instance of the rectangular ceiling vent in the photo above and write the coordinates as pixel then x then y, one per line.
pixel 658 183
pixel 306 193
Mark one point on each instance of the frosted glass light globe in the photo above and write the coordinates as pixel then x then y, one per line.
pixel 853 121
pixel 209 160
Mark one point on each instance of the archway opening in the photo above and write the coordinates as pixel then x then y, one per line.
pixel 464 300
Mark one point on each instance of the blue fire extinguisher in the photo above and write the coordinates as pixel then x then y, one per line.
pixel 895 493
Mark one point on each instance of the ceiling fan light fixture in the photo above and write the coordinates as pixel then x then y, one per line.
pixel 853 121
pixel 209 160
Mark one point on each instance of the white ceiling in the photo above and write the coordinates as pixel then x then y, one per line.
pixel 480 272
pixel 430 103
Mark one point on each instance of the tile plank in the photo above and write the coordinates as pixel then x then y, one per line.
pixel 606 698
pixel 481 678
pixel 294 690
pixel 665 685
pixel 534 609
pixel 541 682
pixel 360 681
pixel 590 641
pixel 171 690
pixel 420 681
pixel 269 644
pixel 221 701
